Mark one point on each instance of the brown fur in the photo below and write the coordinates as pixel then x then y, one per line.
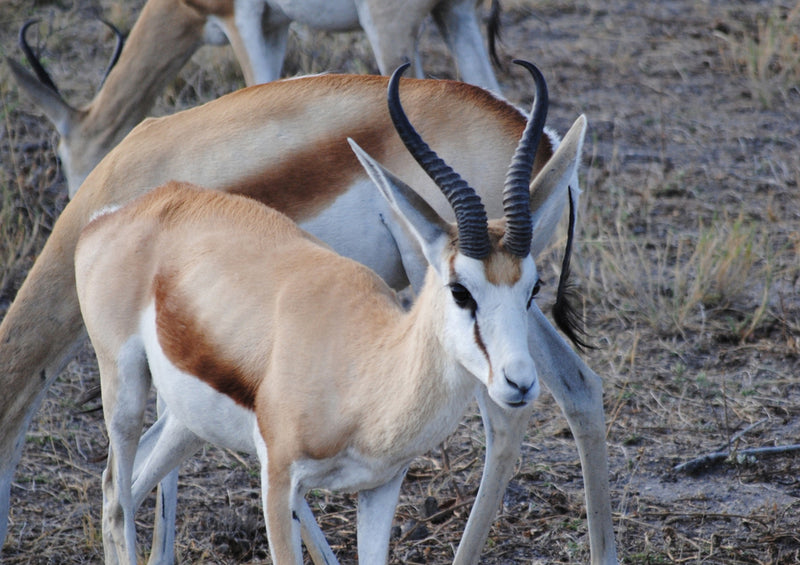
pixel 314 177
pixel 501 268
pixel 190 348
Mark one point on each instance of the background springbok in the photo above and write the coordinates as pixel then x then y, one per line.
pixel 258 30
pixel 165 36
pixel 246 138
pixel 168 32
pixel 308 359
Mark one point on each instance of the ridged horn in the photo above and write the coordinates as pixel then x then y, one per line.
pixel 471 219
pixel 36 65
pixel 516 192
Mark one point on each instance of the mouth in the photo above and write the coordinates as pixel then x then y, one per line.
pixel 518 404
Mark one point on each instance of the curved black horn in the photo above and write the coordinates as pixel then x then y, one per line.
pixel 516 192
pixel 120 37
pixel 37 67
pixel 473 234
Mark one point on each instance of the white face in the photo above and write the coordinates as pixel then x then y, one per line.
pixel 487 326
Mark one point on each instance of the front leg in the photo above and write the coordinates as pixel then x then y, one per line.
pixel 580 396
pixel 504 430
pixel 579 392
pixel 375 513
pixel 281 515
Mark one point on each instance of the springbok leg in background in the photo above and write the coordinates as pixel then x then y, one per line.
pixel 258 31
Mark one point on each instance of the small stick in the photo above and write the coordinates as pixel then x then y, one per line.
pixel 738 435
pixel 711 458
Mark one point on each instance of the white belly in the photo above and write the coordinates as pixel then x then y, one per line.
pixel 328 15
pixel 347 472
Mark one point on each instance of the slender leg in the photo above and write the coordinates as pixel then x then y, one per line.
pixel 458 23
pixel 375 513
pixel 316 544
pixel 162 550
pixel 17 410
pixel 504 433
pixel 126 383
pixel 579 393
pixel 392 33
pixel 282 510
pixel 258 35
pixel 162 448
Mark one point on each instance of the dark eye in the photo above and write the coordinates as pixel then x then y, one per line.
pixel 536 288
pixel 462 296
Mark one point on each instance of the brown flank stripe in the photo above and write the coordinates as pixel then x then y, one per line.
pixel 306 184
pixel 188 347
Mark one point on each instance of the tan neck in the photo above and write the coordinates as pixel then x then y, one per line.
pixel 164 37
pixel 415 382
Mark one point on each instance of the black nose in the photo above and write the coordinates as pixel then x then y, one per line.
pixel 523 390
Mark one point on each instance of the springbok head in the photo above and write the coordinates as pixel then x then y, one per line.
pixel 486 266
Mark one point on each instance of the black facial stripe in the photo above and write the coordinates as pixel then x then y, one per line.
pixel 479 342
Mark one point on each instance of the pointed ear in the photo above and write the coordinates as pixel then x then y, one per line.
pixel 422 221
pixel 549 188
pixel 50 102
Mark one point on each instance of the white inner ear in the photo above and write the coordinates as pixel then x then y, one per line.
pixel 416 215
pixel 549 188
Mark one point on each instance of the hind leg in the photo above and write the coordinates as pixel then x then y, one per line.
pixel 126 383
pixel 161 450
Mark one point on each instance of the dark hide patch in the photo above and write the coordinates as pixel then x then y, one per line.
pixel 188 347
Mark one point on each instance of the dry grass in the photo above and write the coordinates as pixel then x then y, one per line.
pixel 683 282
pixel 767 50
pixel 28 203
pixel 688 260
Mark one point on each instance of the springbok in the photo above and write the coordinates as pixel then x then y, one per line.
pixel 165 36
pixel 168 32
pixel 259 339
pixel 258 31
pixel 257 142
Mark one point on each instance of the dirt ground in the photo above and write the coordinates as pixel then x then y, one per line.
pixel 687 260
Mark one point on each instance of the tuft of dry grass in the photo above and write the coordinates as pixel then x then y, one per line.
pixel 766 50
pixel 679 282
